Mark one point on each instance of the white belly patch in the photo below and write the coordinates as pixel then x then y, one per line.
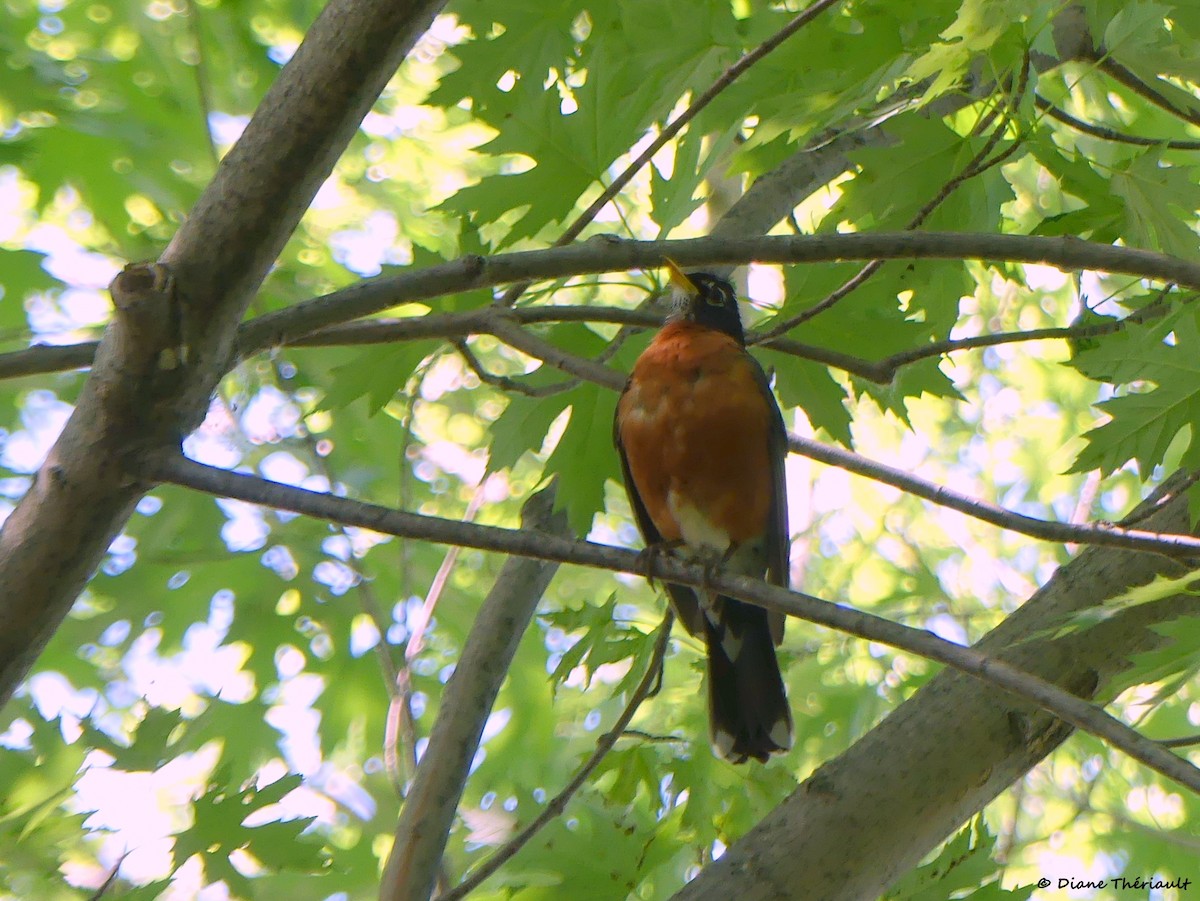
pixel 697 531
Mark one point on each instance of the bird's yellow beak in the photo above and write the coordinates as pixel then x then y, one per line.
pixel 679 278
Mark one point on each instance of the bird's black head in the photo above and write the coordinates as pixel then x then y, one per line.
pixel 707 300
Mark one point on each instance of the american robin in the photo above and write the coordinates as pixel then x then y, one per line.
pixel 702 445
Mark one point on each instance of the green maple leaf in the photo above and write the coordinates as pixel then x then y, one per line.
pixel 1142 428
pixel 1128 355
pixel 522 427
pixel 604 96
pixel 1144 424
pixel 376 374
pixel 585 456
pixel 218 829
pixel 1160 201
pixel 810 387
pixel 533 36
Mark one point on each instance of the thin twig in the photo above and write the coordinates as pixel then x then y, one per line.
pixel 1120 73
pixel 111 879
pixel 401 724
pixel 416 638
pixel 1188 741
pixel 558 803
pixel 538 348
pixel 504 382
pixel 655 739
pixel 885 370
pixel 1109 134
pixel 203 95
pixel 669 131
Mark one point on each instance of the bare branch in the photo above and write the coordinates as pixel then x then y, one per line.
pixel 1109 134
pixel 43 358
pixel 504 382
pixel 452 326
pixel 334 313
pixel 557 804
pixel 1154 94
pixel 429 809
pixel 1188 741
pixel 612 254
pixel 543 546
pixel 581 367
pixel 1107 534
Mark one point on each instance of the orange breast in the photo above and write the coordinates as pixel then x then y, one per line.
pixel 695 426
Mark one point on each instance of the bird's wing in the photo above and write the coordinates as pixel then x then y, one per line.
pixel 778 538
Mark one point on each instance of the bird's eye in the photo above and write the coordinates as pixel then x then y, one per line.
pixel 720 295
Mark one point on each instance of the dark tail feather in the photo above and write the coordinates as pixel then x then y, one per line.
pixel 747 705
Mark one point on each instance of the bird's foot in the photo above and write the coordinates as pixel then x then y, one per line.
pixel 714 564
pixel 650 555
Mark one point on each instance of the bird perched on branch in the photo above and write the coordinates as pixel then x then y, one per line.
pixel 702 445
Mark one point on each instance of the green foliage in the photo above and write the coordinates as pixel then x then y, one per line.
pixel 1171 665
pixel 219 828
pixel 1144 423
pixel 257 651
pixel 964 868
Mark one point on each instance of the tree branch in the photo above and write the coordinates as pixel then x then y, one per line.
pixel 540 349
pixel 1109 134
pixel 612 254
pixel 456 327
pixel 558 803
pixel 1123 75
pixel 1169 544
pixel 432 801
pixel 44 358
pixel 1062 704
pixel 504 382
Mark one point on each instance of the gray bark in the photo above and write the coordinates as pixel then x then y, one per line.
pixel 432 802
